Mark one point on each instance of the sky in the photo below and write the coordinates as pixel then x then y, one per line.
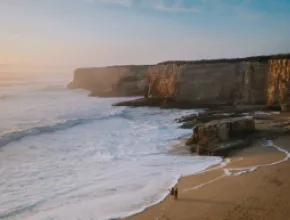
pixel 65 34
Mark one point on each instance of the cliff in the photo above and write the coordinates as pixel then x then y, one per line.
pixel 244 81
pixel 278 90
pixel 257 80
pixel 111 81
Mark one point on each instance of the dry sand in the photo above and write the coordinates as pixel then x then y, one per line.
pixel 261 194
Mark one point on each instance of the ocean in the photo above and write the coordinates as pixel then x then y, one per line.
pixel 67 156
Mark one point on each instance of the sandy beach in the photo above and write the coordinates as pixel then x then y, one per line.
pixel 251 184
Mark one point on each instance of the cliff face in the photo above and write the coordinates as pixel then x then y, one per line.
pixel 111 81
pixel 249 81
pixel 278 81
pixel 242 81
pixel 162 80
pixel 224 83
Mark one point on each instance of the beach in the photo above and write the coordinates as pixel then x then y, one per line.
pixel 257 187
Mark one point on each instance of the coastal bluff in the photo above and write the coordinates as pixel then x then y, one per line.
pixel 260 80
pixel 112 81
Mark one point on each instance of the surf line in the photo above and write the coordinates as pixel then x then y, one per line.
pixel 223 164
pixel 241 170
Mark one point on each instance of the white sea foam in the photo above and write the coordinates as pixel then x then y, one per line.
pixel 266 113
pixel 204 184
pixel 68 156
pixel 227 172
pixel 243 170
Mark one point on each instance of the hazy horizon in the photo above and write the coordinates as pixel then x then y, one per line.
pixel 61 35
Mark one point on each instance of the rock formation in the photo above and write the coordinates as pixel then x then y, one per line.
pixel 279 83
pixel 111 81
pixel 251 81
pixel 188 84
pixel 209 138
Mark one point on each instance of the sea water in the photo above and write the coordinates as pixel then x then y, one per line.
pixel 67 156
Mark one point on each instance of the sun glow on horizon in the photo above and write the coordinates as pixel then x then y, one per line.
pixel 69 34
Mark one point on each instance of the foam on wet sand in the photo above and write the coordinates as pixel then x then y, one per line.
pixel 235 188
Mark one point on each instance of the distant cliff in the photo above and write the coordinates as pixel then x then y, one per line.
pixel 253 80
pixel 241 81
pixel 111 81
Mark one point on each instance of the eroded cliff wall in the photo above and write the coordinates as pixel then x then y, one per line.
pixel 162 80
pixel 111 81
pixel 279 81
pixel 220 83
pixel 253 80
pixel 250 81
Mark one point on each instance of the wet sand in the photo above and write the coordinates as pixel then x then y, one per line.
pixel 222 193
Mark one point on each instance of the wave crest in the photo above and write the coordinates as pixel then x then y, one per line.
pixel 55 126
pixel 52 88
pixel 15 135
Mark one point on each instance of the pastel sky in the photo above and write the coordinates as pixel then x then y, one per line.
pixel 75 33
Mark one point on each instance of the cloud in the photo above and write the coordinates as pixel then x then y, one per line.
pixel 175 6
pixel 164 5
pixel 120 2
pixel 239 8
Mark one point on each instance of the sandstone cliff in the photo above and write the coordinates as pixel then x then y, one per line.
pixel 242 81
pixel 254 80
pixel 111 81
pixel 279 83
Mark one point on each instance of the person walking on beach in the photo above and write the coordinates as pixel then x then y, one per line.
pixel 174 193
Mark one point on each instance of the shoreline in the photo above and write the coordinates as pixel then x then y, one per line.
pixel 174 184
pixel 223 168
pixel 205 181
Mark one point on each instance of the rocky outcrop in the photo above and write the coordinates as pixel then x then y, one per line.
pixel 224 112
pixel 111 81
pixel 210 138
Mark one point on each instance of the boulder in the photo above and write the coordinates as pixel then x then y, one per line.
pixel 209 136
pixel 188 125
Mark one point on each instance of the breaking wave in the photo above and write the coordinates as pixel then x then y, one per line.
pixel 16 135
pixel 71 142
pixel 52 88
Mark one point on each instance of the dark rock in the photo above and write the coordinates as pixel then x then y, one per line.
pixel 225 149
pixel 207 138
pixel 165 103
pixel 142 102
pixel 189 124
pixel 223 112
